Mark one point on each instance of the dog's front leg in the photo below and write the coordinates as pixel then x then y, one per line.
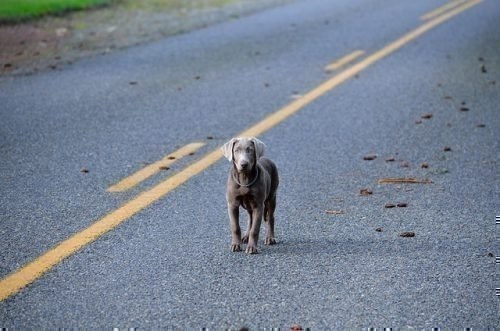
pixel 253 237
pixel 234 214
pixel 244 239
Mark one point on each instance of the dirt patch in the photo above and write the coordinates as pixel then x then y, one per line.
pixel 52 42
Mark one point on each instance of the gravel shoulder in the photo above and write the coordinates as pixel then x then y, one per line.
pixel 54 42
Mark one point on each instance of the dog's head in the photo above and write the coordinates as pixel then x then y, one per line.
pixel 243 152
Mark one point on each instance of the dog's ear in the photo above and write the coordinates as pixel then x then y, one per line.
pixel 227 149
pixel 259 147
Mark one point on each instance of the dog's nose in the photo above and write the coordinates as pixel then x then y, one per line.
pixel 244 164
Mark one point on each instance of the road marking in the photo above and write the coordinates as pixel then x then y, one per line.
pixel 285 112
pixel 344 60
pixel 34 270
pixel 148 171
pixel 27 274
pixel 442 9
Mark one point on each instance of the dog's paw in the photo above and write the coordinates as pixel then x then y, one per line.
pixel 270 241
pixel 251 249
pixel 235 248
pixel 244 239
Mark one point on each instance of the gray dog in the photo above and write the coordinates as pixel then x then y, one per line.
pixel 252 184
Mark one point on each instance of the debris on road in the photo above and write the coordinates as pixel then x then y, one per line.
pixel 365 192
pixel 370 157
pixel 399 205
pixel 404 180
pixel 334 212
pixel 407 234
pixel 440 171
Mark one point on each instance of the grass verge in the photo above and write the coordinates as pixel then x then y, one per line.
pixel 12 11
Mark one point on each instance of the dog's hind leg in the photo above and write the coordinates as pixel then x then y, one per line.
pixel 269 208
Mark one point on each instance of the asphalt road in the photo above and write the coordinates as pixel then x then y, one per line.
pixel 431 105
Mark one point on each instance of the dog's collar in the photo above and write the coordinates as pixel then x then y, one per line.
pixel 249 184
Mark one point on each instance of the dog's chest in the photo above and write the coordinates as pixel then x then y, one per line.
pixel 247 201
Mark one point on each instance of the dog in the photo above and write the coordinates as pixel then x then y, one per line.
pixel 252 184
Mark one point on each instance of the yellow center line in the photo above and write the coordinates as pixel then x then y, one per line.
pixel 285 112
pixel 154 168
pixel 344 60
pixel 442 9
pixel 19 279
pixel 34 270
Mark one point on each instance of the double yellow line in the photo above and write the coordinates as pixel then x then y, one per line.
pixel 152 169
pixel 19 279
pixel 443 9
pixel 337 64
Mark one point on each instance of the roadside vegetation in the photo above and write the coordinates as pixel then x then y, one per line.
pixel 13 11
pixel 49 34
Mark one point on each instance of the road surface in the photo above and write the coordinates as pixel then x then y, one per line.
pixel 347 95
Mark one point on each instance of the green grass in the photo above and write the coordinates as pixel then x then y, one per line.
pixel 12 11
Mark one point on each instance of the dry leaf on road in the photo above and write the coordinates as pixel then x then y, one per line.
pixel 365 191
